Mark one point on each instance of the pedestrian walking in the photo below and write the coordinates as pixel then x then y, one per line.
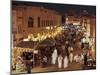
pixel 28 66
pixel 60 61
pixel 71 56
pixel 65 62
pixel 44 62
pixel 54 56
pixel 85 59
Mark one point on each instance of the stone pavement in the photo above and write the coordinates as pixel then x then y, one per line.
pixel 53 68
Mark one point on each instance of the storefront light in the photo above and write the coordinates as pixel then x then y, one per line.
pixel 54 26
pixel 48 28
pixel 36 52
pixel 34 39
pixel 26 39
pixel 51 27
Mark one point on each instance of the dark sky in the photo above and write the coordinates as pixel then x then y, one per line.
pixel 61 8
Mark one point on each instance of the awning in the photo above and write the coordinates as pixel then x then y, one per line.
pixel 47 42
pixel 26 44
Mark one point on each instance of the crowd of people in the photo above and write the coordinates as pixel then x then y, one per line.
pixel 71 45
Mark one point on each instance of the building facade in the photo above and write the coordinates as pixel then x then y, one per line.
pixel 33 20
pixel 84 19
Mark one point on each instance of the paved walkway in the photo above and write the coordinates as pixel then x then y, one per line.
pixel 53 68
pixel 72 66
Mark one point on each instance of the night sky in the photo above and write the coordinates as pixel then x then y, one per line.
pixel 61 8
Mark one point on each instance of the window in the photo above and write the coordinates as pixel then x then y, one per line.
pixel 30 22
pixel 44 22
pixel 51 23
pixel 41 23
pixel 48 22
pixel 38 21
pixel 20 17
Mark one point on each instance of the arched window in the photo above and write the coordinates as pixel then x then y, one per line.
pixel 46 22
pixel 38 21
pixel 30 22
pixel 42 23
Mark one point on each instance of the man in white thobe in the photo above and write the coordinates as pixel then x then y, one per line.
pixel 76 58
pixel 65 62
pixel 60 61
pixel 81 58
pixel 54 56
pixel 71 57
